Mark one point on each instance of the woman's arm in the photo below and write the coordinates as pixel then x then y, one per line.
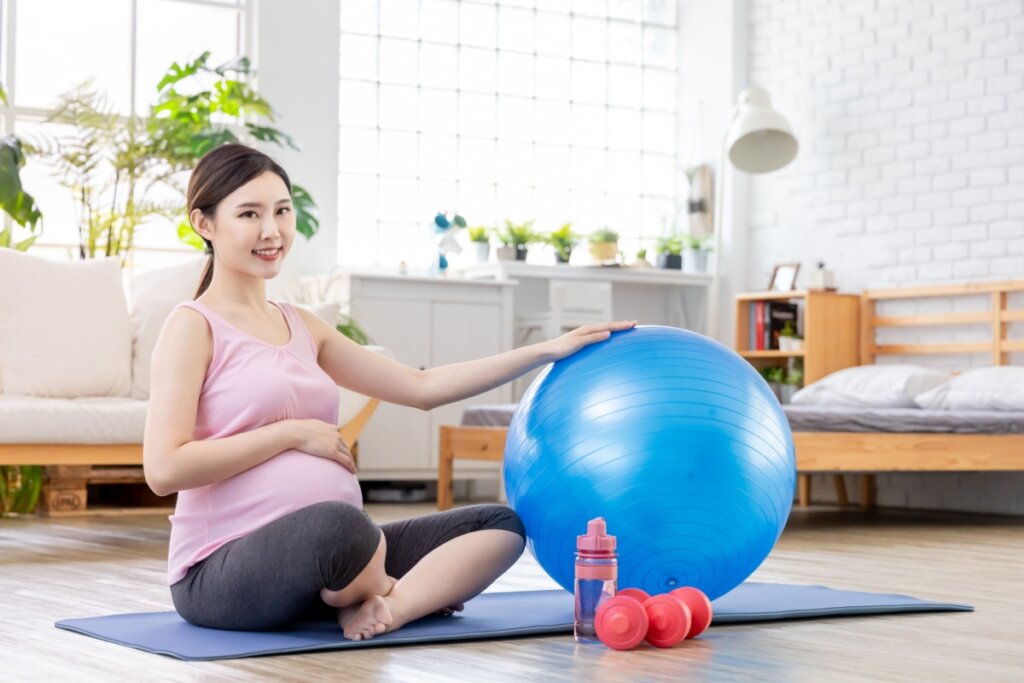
pixel 371 374
pixel 172 461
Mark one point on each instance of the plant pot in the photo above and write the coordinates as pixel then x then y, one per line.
pixel 521 252
pixel 562 257
pixel 786 392
pixel 695 261
pixel 673 261
pixel 791 344
pixel 482 251
pixel 505 253
pixel 604 251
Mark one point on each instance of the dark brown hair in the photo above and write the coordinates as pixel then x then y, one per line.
pixel 220 172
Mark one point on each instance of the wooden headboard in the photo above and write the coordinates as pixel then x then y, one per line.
pixel 997 317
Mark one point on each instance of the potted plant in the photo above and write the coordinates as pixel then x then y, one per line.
pixel 604 245
pixel 794 379
pixel 788 339
pixel 670 251
pixel 564 240
pixel 641 259
pixel 118 167
pixel 695 259
pixel 480 238
pixel 774 376
pixel 515 240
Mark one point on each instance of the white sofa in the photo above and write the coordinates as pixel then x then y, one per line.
pixel 74 362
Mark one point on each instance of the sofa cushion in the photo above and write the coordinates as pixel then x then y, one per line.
pixel 64 328
pixel 154 294
pixel 92 420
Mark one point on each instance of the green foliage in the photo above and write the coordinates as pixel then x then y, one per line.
pixel 564 240
pixel 795 377
pixel 706 243
pixel 518 235
pixel 19 488
pixel 603 236
pixel 14 201
pixel 641 254
pixel 773 374
pixel 352 330
pixel 479 233
pixel 113 165
pixel 671 244
pixel 788 330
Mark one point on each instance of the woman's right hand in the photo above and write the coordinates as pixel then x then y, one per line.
pixel 322 439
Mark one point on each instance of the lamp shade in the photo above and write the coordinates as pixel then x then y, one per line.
pixel 759 139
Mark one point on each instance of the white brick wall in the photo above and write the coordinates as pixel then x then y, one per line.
pixel 910 116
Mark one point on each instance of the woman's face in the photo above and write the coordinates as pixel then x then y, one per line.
pixel 253 227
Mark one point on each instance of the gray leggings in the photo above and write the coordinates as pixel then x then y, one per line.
pixel 272 577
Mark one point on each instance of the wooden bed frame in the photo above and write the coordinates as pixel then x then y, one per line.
pixel 848 452
pixel 71 467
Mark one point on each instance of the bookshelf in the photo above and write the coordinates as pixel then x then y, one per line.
pixel 828 322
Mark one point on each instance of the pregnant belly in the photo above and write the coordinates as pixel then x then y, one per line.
pixel 292 480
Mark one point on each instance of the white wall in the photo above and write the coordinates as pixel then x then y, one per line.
pixel 910 116
pixel 295 52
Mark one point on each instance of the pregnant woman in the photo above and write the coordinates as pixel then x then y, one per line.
pixel 242 422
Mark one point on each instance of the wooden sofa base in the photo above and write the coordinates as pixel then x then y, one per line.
pixel 816 453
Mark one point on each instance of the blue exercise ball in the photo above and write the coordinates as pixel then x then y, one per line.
pixel 671 437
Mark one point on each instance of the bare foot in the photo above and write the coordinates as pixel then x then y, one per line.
pixel 362 622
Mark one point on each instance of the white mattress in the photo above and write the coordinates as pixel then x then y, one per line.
pixel 838 419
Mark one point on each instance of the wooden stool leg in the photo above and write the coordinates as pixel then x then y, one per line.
pixel 868 490
pixel 445 495
pixel 803 486
pixel 841 496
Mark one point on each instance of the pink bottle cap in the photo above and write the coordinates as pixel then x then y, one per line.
pixel 596 540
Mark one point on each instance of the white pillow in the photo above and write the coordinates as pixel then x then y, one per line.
pixel 329 311
pixel 154 295
pixel 64 329
pixel 996 388
pixel 876 386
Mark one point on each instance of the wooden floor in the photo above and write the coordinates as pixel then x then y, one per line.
pixel 78 567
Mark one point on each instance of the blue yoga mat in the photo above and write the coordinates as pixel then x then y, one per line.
pixel 491 615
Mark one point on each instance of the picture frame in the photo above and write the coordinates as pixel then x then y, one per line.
pixel 784 277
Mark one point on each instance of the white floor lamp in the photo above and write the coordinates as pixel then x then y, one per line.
pixel 759 140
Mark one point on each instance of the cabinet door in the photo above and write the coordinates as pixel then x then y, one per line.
pixel 396 437
pixel 462 332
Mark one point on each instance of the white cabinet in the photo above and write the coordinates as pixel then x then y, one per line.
pixel 426 322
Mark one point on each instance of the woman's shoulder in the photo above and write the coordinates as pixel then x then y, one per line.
pixel 188 325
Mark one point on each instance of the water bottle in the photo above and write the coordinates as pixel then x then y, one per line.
pixel 597 569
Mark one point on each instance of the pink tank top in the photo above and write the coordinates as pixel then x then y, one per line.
pixel 251 383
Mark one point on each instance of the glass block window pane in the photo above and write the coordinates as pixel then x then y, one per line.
pixel 42 73
pixel 557 111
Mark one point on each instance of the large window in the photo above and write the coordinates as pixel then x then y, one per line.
pixel 554 110
pixel 124 46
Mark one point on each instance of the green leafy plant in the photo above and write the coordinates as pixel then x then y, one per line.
pixel 641 254
pixel 671 244
pixel 480 233
pixel 517 235
pixel 114 164
pixel 603 236
pixel 773 374
pixel 794 377
pixel 564 240
pixel 788 330
pixel 351 329
pixel 14 201
pixel 20 486
pixel 705 242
